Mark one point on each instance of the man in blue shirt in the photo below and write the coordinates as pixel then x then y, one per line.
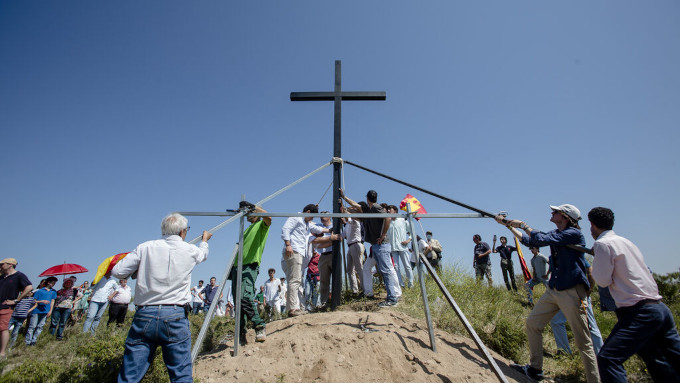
pixel 209 293
pixel 44 303
pixel 567 287
pixel 481 262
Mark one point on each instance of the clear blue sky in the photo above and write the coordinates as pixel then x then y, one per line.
pixel 113 114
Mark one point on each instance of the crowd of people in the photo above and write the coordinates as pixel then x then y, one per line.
pixel 44 305
pixel 646 326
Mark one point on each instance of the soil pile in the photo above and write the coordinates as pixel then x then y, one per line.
pixel 351 346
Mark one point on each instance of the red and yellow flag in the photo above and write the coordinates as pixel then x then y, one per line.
pixel 106 266
pixel 522 263
pixel 416 206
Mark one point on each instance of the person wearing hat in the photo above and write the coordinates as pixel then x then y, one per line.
pixel 567 290
pixel 14 286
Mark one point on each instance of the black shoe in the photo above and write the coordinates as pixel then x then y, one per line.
pixel 528 371
pixel 242 339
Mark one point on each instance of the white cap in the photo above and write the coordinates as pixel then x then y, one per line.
pixel 569 210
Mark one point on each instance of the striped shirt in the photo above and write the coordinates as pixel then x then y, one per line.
pixel 21 310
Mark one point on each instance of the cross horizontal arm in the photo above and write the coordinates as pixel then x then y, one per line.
pixel 332 215
pixel 330 96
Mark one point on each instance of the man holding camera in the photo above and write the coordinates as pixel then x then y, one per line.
pixel 163 268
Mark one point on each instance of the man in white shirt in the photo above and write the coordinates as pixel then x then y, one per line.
pixel 162 295
pixel 197 300
pixel 119 302
pixel 272 291
pixel 645 325
pixel 398 237
pixel 355 251
pixel 295 235
pixel 98 303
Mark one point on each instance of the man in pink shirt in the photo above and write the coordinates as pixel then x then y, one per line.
pixel 645 325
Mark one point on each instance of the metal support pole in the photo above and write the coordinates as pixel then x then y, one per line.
pixel 237 294
pixel 260 203
pixel 211 311
pixel 463 319
pixel 421 279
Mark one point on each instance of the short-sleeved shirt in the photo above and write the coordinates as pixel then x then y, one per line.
pixel 260 297
pixel 481 248
pixel 505 251
pixel 21 310
pixel 65 297
pixel 540 264
pixel 11 286
pixel 44 295
pixel 210 292
pixel 374 226
pixel 254 239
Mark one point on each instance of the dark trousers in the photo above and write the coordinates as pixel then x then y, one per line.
pixel 117 313
pixel 248 292
pixel 648 330
pixel 508 273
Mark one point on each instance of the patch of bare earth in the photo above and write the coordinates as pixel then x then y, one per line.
pixel 333 347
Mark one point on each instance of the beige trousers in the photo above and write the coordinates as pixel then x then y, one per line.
pixel 292 267
pixel 573 304
pixel 354 266
pixel 325 271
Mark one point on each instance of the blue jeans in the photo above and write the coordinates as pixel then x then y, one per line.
pixel 383 259
pixel 530 288
pixel 94 314
pixel 153 326
pixel 197 307
pixel 560 330
pixel 312 300
pixel 35 327
pixel 403 256
pixel 18 323
pixel 645 329
pixel 59 318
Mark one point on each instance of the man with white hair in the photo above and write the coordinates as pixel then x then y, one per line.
pixel 567 288
pixel 163 268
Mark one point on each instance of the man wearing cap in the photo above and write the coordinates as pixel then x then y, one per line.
pixel 567 288
pixel 254 240
pixel 14 286
pixel 645 325
pixel 163 268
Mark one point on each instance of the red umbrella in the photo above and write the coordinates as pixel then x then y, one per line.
pixel 63 269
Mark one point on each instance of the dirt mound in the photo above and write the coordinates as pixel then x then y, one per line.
pixel 351 346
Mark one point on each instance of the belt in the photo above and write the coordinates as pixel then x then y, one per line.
pixel 624 310
pixel 162 305
pixel 327 252
pixel 353 243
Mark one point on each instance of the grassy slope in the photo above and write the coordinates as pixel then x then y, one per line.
pixel 498 317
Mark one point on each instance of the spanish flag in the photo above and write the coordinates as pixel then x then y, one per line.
pixel 416 207
pixel 106 266
pixel 522 263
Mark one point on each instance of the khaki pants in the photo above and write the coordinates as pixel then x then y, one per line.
pixel 354 266
pixel 325 271
pixel 573 304
pixel 293 270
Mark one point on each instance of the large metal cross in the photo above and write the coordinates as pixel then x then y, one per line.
pixel 337 97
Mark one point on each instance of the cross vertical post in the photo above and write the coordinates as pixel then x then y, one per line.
pixel 337 96
pixel 336 279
